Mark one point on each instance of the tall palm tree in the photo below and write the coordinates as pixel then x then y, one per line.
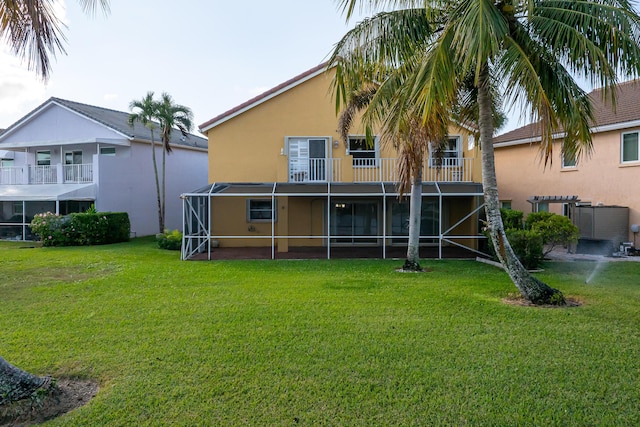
pixel 533 47
pixel 147 111
pixel 33 32
pixel 411 141
pixel 171 115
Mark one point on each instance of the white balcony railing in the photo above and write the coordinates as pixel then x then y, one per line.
pixel 314 170
pixel 383 170
pixel 49 174
pixel 43 174
pixel 374 170
pixel 78 173
pixel 12 175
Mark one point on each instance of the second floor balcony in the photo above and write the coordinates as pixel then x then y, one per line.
pixel 46 174
pixel 454 169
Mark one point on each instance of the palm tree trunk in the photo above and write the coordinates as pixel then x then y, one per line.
pixel 155 172
pixel 16 384
pixel 164 188
pixel 415 214
pixel 532 289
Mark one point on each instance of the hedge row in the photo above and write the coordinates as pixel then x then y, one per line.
pixel 79 229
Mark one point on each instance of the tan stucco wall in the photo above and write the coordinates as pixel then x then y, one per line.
pixel 598 179
pixel 251 146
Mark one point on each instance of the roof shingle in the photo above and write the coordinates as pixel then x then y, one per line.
pixel 627 96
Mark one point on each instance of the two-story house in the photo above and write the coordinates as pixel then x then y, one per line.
pixel 607 178
pixel 281 178
pixel 64 156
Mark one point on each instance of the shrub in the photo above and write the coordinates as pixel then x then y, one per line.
pixel 511 218
pixel 528 247
pixel 50 228
pixel 79 229
pixel 170 240
pixel 554 229
pixel 526 244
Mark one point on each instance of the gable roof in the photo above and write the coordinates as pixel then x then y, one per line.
pixel 115 120
pixel 263 97
pixel 625 115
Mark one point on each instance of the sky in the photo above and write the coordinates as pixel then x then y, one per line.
pixel 209 55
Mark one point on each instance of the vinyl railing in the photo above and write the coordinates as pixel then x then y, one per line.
pixel 315 170
pixel 383 170
pixel 46 174
pixel 78 173
pixel 43 174
pixel 12 175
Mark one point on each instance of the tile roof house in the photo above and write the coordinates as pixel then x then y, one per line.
pixel 608 177
pixel 64 156
pixel 280 178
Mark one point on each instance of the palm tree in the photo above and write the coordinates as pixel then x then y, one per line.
pixel 147 111
pixel 531 46
pixel 170 116
pixel 33 32
pixel 411 142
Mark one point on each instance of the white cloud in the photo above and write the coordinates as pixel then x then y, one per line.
pixel 20 89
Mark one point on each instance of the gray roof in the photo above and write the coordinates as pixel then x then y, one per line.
pixel 118 121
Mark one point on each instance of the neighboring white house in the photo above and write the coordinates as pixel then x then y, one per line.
pixel 64 156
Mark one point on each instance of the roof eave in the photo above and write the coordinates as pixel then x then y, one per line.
pixel 264 97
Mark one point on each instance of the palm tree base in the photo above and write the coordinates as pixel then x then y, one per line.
pixel 411 266
pixel 539 293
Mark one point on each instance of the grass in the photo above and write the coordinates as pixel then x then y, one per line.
pixel 319 342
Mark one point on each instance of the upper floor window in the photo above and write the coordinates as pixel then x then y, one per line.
pixel 43 158
pixel 364 153
pixel 6 163
pixel 108 151
pixel 568 160
pixel 629 149
pixel 451 153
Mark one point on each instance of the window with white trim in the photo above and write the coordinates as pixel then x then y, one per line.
pixel 108 151
pixel 451 153
pixel 542 207
pixel 259 210
pixel 629 147
pixel 505 204
pixel 43 158
pixel 568 160
pixel 364 154
pixel 6 163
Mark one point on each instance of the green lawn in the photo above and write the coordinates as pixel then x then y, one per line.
pixel 320 342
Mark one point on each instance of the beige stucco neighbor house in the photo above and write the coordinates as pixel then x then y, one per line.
pixel 281 178
pixel 609 177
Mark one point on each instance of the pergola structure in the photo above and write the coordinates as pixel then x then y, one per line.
pixel 569 200
pixel 197 211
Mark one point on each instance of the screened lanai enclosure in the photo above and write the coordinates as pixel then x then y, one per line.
pixel 20 203
pixel 300 220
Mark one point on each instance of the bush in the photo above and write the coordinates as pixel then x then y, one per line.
pixel 554 229
pixel 511 218
pixel 80 229
pixel 526 244
pixel 170 240
pixel 528 247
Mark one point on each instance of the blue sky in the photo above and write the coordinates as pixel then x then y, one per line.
pixel 210 55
